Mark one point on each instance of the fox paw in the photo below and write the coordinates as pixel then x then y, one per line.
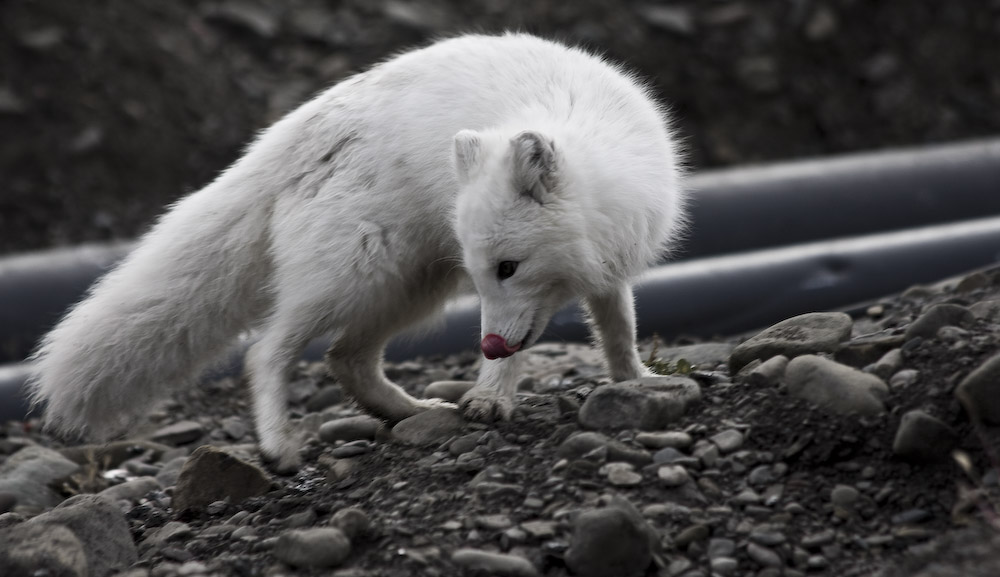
pixel 284 459
pixel 486 406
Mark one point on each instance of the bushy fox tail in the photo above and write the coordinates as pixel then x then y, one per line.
pixel 196 280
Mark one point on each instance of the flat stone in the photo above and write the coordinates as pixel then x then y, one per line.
pixel 489 563
pixel 349 429
pixel 28 474
pixel 800 335
pixel 728 441
pixel 179 433
pixel 648 403
pixel 579 444
pixel 131 491
pixel 428 427
pixel 609 542
pixel 317 547
pixel 539 529
pixel 764 556
pixel 448 390
pixel 211 474
pixel 833 387
pixel 621 474
pixel 84 536
pixel 663 439
pixel 937 316
pixel 923 438
pixel 979 392
pixel 704 356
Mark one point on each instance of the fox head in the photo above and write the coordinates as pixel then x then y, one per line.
pixel 522 235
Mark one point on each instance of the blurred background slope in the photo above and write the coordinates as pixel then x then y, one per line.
pixel 109 109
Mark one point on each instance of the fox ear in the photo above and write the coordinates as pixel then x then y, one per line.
pixel 534 159
pixel 468 148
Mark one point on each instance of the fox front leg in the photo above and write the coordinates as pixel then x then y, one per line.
pixel 612 320
pixel 492 399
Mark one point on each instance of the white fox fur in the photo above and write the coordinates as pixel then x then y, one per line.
pixel 352 216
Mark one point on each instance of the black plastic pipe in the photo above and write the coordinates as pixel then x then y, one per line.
pixel 733 210
pixel 743 209
pixel 718 296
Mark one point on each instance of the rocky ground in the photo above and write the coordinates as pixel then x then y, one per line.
pixel 112 109
pixel 824 445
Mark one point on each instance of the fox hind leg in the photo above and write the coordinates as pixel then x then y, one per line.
pixel 269 364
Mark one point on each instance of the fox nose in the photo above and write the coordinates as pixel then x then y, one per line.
pixel 495 347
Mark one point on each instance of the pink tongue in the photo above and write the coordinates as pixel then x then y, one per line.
pixel 496 347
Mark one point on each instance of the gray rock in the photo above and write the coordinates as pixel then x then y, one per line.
pixel 490 563
pixel 179 433
pixel 353 522
pixel 904 378
pixel 579 444
pixel 428 427
pixel 844 496
pixel 448 390
pixel 326 397
pixel 85 536
pixel 27 475
pixel 938 316
pixel 979 392
pixel 768 373
pixel 887 365
pixel 988 310
pixel 610 542
pixel 663 439
pixel 834 387
pixel 349 429
pixel 621 474
pixel 132 490
pixel 764 556
pixel 672 475
pixel 705 356
pixel 211 474
pixel 728 441
pixel 170 471
pixel 648 403
pixel 921 437
pixel 724 566
pixel 721 548
pixel 235 428
pixel 318 547
pixel 804 334
pixel 172 531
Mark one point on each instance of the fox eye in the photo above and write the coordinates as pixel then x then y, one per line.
pixel 506 269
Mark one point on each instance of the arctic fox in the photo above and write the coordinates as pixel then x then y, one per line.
pixel 546 171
